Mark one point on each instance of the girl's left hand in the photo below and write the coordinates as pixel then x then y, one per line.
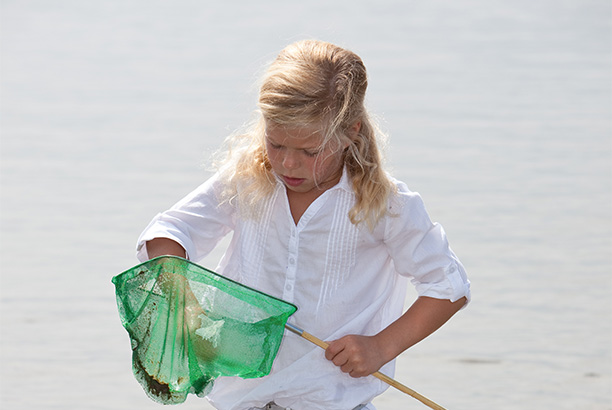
pixel 356 355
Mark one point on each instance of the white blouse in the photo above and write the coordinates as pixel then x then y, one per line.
pixel 345 279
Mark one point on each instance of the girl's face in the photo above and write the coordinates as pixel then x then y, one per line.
pixel 297 157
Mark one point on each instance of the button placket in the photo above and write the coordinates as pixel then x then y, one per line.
pixel 291 266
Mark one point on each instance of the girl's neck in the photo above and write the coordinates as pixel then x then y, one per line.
pixel 300 201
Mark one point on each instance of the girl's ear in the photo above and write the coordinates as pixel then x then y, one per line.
pixel 352 133
pixel 355 128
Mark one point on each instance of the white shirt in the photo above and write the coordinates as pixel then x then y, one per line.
pixel 345 279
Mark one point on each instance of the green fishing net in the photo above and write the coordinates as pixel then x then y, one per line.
pixel 189 325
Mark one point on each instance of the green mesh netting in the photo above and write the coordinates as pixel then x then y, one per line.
pixel 189 325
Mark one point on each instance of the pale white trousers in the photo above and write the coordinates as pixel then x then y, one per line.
pixel 274 406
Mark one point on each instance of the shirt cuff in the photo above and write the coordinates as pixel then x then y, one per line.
pixel 454 287
pixel 157 229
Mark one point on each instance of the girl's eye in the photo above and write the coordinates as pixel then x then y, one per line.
pixel 311 153
pixel 274 146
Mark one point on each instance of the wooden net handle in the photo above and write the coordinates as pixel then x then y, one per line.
pixel 378 375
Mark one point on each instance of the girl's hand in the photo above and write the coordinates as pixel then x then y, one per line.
pixel 356 355
pixel 363 355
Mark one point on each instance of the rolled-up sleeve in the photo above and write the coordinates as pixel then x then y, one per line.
pixel 197 222
pixel 420 250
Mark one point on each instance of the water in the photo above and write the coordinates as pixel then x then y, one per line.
pixel 499 114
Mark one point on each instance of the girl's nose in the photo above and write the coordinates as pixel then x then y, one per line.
pixel 290 160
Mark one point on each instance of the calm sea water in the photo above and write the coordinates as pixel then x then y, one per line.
pixel 499 114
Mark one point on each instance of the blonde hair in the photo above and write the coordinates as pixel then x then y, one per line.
pixel 312 82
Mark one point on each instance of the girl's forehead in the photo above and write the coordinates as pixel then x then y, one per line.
pixel 311 135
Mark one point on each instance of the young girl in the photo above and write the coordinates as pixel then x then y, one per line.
pixel 317 222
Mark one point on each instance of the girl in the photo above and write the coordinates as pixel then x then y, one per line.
pixel 316 221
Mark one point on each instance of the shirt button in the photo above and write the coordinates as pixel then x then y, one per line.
pixel 288 287
pixel 291 261
pixel 452 269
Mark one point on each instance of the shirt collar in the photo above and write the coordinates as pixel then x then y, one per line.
pixel 345 182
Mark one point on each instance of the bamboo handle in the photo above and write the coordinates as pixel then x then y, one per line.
pixel 378 375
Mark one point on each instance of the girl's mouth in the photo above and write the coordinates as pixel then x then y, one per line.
pixel 293 181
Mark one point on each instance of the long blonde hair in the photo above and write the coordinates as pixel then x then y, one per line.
pixel 312 82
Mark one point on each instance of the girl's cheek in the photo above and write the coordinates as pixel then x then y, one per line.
pixel 323 168
pixel 273 157
pixel 313 166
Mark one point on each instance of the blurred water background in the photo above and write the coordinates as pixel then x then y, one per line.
pixel 498 112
